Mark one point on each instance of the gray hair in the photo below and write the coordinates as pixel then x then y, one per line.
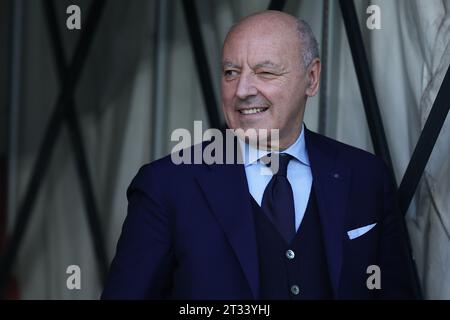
pixel 309 46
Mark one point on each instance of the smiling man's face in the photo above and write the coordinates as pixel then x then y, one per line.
pixel 264 82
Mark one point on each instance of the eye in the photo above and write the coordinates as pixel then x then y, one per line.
pixel 230 73
pixel 267 74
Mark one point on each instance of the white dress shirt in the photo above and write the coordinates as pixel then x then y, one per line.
pixel 298 174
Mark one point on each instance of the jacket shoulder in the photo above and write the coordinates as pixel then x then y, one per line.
pixel 346 152
pixel 166 173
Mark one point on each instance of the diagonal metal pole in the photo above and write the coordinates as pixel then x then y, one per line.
pixel 75 135
pixel 276 5
pixel 54 127
pixel 370 102
pixel 87 189
pixel 425 144
pixel 195 35
pixel 371 108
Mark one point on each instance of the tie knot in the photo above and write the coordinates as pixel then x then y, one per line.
pixel 283 163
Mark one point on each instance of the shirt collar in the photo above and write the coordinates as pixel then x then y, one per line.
pixel 297 150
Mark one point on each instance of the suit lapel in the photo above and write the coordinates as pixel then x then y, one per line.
pixel 225 188
pixel 331 183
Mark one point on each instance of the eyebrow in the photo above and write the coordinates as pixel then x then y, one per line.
pixel 229 64
pixel 263 64
pixel 268 64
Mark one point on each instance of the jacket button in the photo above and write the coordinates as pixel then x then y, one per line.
pixel 290 254
pixel 295 290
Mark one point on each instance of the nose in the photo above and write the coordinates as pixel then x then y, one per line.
pixel 246 87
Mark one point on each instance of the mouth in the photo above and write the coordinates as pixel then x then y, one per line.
pixel 256 110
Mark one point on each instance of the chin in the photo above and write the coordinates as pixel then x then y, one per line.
pixel 260 136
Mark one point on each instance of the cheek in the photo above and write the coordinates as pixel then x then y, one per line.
pixel 227 103
pixel 286 106
pixel 294 92
pixel 227 93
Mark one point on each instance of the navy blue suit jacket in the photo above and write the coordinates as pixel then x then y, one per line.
pixel 190 234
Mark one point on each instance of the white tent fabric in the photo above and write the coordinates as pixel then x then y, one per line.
pixel 430 226
pixel 408 59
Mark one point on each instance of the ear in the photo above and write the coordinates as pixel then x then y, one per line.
pixel 313 76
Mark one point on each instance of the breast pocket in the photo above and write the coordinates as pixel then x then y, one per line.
pixel 360 231
pixel 361 243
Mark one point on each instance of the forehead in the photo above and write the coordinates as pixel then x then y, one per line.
pixel 257 44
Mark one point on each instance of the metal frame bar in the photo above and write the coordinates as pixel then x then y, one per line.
pixel 71 78
pixel 201 60
pixel 433 125
pixel 371 108
pixel 92 212
pixel 323 96
pixel 3 199
pixel 277 5
pixel 75 135
pixel 162 17
pixel 425 144
pixel 13 9
pixel 15 72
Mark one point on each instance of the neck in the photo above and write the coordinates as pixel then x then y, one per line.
pixel 287 142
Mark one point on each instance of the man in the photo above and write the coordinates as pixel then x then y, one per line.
pixel 324 226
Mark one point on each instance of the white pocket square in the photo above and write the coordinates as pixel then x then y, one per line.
pixel 358 232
